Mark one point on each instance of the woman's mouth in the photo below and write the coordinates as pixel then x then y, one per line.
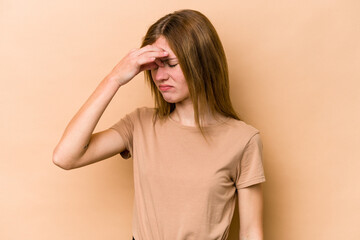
pixel 164 87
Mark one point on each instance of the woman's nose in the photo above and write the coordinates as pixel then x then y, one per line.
pixel 161 73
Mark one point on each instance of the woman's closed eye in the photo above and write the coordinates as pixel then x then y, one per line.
pixel 162 63
pixel 172 65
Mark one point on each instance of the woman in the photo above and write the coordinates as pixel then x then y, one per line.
pixel 191 153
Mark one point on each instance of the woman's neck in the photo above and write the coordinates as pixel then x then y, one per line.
pixel 184 114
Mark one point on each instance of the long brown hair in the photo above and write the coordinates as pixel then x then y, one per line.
pixel 201 56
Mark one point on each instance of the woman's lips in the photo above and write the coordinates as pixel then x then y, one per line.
pixel 164 87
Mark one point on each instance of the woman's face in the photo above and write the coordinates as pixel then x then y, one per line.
pixel 168 76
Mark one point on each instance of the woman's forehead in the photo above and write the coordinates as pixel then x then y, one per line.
pixel 162 43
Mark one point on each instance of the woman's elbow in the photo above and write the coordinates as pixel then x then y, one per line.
pixel 60 161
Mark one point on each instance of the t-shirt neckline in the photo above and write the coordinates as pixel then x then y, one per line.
pixel 207 127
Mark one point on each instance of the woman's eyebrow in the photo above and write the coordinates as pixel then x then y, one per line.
pixel 168 60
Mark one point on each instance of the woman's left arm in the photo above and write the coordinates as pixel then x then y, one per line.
pixel 250 201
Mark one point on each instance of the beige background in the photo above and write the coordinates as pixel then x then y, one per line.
pixel 294 68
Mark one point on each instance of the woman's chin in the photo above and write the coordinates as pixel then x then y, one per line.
pixel 170 100
pixel 174 99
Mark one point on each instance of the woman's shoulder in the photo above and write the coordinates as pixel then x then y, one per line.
pixel 241 127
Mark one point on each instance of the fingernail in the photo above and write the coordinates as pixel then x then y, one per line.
pixel 165 53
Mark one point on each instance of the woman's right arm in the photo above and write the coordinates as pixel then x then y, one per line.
pixel 79 146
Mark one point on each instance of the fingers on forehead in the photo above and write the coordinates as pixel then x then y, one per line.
pixel 154 48
pixel 149 48
pixel 143 50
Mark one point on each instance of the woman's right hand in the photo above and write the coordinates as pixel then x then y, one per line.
pixel 137 60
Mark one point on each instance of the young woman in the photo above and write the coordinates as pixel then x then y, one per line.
pixel 191 153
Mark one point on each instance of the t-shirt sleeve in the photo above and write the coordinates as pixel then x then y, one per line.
pixel 250 169
pixel 125 127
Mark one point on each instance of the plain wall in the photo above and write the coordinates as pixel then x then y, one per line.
pixel 294 75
